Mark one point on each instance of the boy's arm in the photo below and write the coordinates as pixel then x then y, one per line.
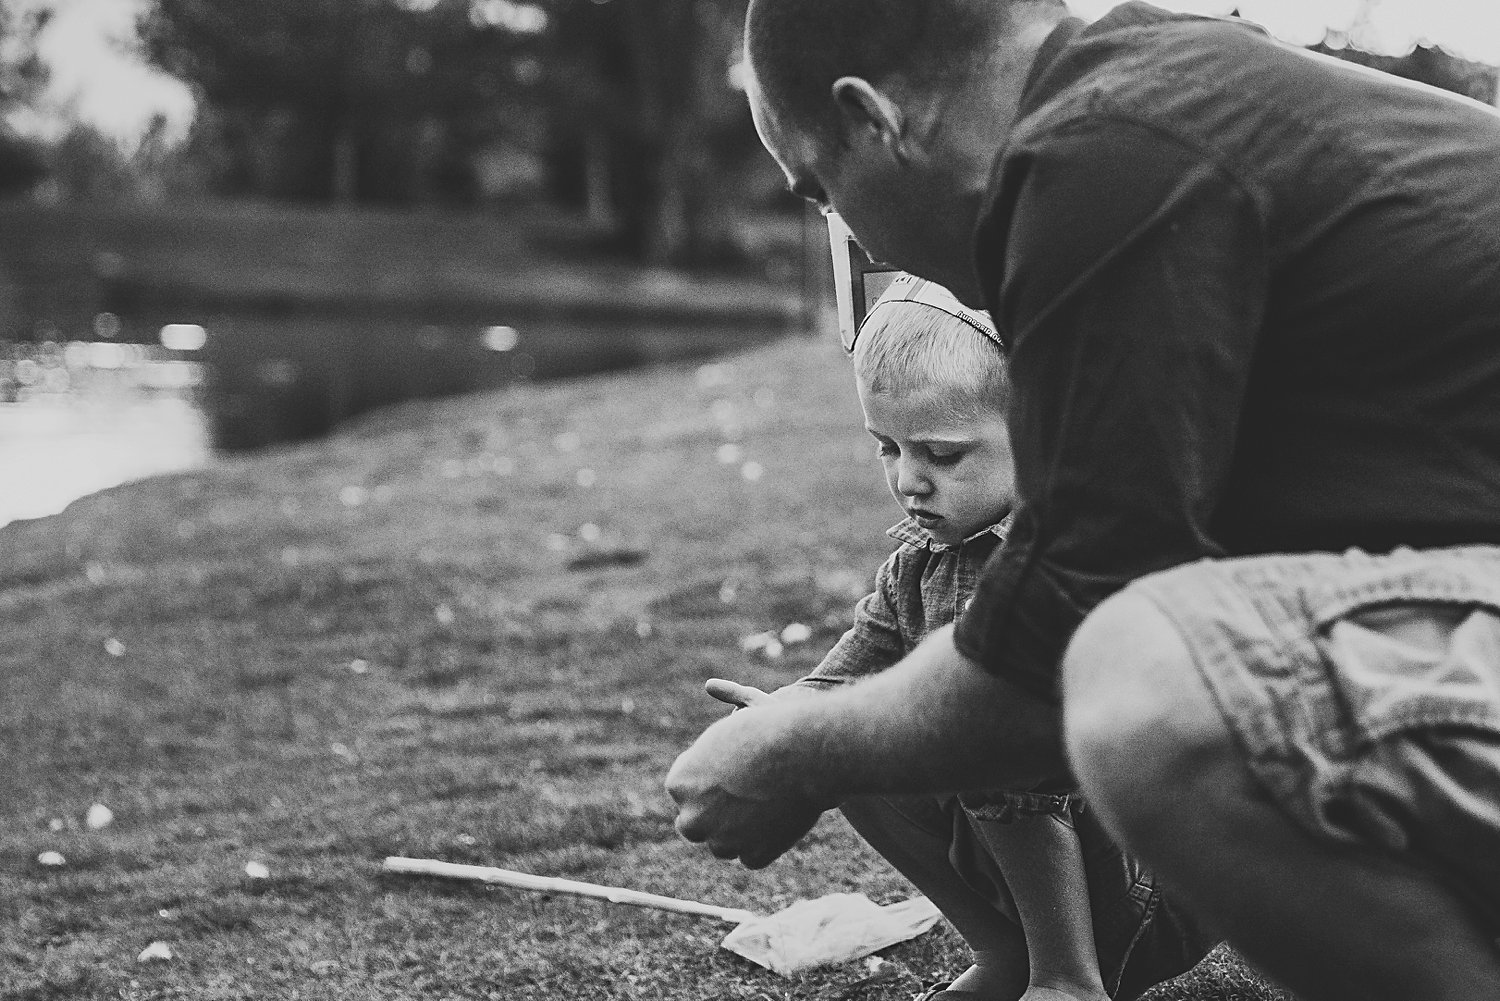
pixel 873 643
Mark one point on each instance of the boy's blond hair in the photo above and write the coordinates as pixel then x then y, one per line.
pixel 907 347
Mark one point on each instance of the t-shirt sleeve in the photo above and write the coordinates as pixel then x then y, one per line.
pixel 873 643
pixel 1136 280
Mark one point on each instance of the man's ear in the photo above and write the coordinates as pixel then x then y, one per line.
pixel 869 111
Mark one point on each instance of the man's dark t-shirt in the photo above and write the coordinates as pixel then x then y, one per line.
pixel 1252 297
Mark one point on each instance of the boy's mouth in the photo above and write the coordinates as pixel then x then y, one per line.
pixel 924 518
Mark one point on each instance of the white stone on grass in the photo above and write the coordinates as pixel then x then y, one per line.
pixel 796 632
pixel 767 643
pixel 156 952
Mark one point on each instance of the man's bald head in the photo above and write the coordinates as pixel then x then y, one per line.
pixel 798 48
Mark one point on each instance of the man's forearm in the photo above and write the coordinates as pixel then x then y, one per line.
pixel 935 722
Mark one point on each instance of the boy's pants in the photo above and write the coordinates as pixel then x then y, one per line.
pixel 1140 939
pixel 1364 694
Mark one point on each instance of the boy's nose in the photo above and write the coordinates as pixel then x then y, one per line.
pixel 911 480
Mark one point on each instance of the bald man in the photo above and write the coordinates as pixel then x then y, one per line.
pixel 1252 597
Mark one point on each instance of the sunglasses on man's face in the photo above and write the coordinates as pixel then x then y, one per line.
pixel 858 280
pixel 862 283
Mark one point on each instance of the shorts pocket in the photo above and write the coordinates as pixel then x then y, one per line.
pixel 1413 643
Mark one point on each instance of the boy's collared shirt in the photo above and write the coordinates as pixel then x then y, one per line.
pixel 921 587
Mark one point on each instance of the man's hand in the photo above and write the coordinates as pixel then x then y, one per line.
pixel 738 787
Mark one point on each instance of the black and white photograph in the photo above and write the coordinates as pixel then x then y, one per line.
pixel 750 500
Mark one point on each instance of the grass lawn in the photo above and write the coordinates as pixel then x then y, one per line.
pixel 473 629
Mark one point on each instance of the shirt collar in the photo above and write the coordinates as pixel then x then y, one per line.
pixel 1067 29
pixel 908 531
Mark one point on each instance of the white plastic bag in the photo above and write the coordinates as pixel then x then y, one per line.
pixel 830 929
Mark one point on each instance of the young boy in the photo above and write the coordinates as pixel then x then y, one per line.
pixel 1005 867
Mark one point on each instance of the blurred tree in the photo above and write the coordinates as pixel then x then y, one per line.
pixel 22 75
pixel 85 164
pixel 1424 63
pixel 648 129
pixel 1430 65
pixel 391 100
pixel 344 100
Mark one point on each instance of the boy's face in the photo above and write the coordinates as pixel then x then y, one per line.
pixel 953 475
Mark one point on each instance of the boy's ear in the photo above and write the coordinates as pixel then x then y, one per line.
pixel 870 112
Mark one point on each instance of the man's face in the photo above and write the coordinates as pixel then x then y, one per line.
pixel 954 476
pixel 893 207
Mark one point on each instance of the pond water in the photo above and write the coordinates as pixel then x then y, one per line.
pixel 81 417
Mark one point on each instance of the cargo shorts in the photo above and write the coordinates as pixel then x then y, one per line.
pixel 1364 694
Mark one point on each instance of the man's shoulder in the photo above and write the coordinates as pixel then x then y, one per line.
pixel 1223 84
pixel 1141 63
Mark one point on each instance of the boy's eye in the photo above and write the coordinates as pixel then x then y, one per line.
pixel 886 448
pixel 944 458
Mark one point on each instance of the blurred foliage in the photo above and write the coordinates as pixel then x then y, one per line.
pixel 22 72
pixel 1430 66
pixel 623 108
pixel 646 122
pixel 339 100
pixel 84 164
pixel 21 75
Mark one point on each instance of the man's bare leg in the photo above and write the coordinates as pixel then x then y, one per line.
pixel 1155 757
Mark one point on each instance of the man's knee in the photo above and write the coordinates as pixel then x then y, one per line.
pixel 1136 715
